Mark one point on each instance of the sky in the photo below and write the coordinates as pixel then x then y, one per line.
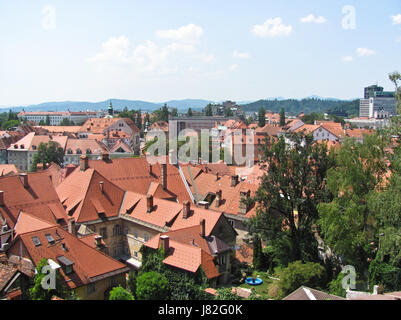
pixel 160 50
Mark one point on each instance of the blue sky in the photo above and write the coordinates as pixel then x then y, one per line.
pixel 94 50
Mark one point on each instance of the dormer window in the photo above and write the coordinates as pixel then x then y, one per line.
pixel 66 264
pixel 69 151
pixel 36 241
pixel 79 151
pixel 88 151
pixel 49 238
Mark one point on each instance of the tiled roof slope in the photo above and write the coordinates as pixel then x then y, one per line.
pixel 83 198
pixel 136 174
pixel 82 255
pixel 39 199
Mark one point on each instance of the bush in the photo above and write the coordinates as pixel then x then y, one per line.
pixel 119 293
pixel 152 286
pixel 299 274
pixel 335 286
pixel 226 294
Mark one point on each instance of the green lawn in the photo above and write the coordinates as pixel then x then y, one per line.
pixel 262 289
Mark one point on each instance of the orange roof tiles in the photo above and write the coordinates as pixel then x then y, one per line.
pixel 83 198
pixel 6 169
pixel 73 145
pixel 39 198
pixel 82 255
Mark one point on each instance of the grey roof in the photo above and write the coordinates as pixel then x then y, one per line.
pixel 305 293
pixel 216 245
pixel 65 261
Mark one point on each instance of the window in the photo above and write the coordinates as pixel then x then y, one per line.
pixel 79 151
pixel 223 259
pixel 88 151
pixel 49 238
pixel 69 151
pixel 146 237
pixel 36 241
pixel 68 269
pixel 136 254
pixel 232 222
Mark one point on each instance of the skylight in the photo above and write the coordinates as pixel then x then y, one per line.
pixel 36 241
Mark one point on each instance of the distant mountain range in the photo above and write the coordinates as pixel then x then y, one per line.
pixel 273 104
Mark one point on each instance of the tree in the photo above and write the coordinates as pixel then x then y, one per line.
pixel 165 113
pixel 37 292
pixel 9 124
pixel 152 286
pixel 47 153
pixel 174 112
pixel 119 293
pixel 301 274
pixel 131 282
pixel 189 113
pixel 395 77
pixel 347 224
pixel 261 117
pixel 292 186
pixel 282 117
pixel 208 110
pixel 41 123
pixel 47 120
pixel 228 112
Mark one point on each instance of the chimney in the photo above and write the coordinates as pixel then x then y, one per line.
pixel 24 177
pixel 1 198
pixel 234 180
pixel 164 175
pixel 186 208
pixel 243 207
pixel 98 241
pixel 149 203
pixel 83 163
pixel 150 170
pixel 203 228
pixel 105 156
pixel 165 243
pixel 71 227
pixel 218 198
pixel 217 176
pixel 101 183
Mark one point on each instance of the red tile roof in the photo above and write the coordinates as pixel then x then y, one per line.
pixel 39 199
pixel 81 195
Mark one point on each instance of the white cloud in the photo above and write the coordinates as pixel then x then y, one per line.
pixel 240 55
pixel 233 67
pixel 49 18
pixel 206 57
pixel 312 19
pixel 273 27
pixel 114 50
pixel 396 19
pixel 188 33
pixel 347 59
pixel 363 52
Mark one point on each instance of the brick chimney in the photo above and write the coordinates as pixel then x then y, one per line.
pixel 149 203
pixel 83 163
pixel 234 180
pixel 217 176
pixel 218 198
pixel 163 175
pixel 105 156
pixel 243 207
pixel 150 170
pixel 186 208
pixel 72 226
pixel 24 179
pixel 1 198
pixel 165 243
pixel 203 228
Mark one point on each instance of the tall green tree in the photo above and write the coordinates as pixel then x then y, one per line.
pixel 282 117
pixel 174 112
pixel 347 224
pixel 47 153
pixel 292 186
pixel 261 117
pixel 208 110
pixel 189 113
pixel 47 120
